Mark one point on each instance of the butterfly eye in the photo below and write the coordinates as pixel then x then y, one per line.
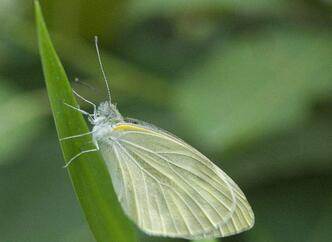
pixel 132 121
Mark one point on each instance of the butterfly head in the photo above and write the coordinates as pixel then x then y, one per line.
pixel 107 113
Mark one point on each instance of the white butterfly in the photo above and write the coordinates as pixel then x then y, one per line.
pixel 164 185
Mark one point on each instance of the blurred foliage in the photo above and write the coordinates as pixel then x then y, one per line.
pixel 18 127
pixel 247 103
pixel 246 82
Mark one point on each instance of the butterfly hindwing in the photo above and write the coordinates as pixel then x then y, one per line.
pixel 170 189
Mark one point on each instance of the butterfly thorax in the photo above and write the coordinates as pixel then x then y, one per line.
pixel 107 113
pixel 105 118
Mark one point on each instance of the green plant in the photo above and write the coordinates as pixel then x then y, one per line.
pixel 88 173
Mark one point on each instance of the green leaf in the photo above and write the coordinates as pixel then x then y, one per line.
pixel 254 86
pixel 88 173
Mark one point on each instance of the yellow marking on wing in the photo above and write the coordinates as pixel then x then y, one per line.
pixel 128 127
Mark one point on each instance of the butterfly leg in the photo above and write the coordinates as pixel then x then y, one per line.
pixel 78 109
pixel 76 136
pixel 79 154
pixel 87 101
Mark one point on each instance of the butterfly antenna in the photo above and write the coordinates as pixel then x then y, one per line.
pixel 102 69
pixel 83 83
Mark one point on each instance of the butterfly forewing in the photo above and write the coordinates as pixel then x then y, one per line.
pixel 169 188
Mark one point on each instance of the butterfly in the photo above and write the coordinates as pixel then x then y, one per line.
pixel 167 187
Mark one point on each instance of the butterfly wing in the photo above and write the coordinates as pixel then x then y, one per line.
pixel 170 189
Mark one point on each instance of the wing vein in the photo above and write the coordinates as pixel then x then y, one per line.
pixel 147 197
pixel 231 210
pixel 188 194
pixel 207 203
pixel 158 182
pixel 134 192
pixel 122 175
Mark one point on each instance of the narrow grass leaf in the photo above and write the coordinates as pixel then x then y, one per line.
pixel 88 173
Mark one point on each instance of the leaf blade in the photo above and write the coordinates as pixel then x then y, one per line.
pixel 88 173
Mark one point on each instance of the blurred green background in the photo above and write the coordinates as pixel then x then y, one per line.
pixel 248 83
